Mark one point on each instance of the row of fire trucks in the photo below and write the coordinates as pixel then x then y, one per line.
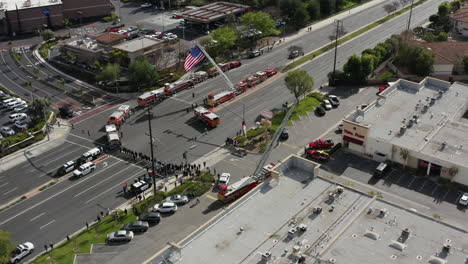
pixel 240 87
pixel 206 116
pixel 116 119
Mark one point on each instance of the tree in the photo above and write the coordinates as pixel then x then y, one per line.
pixel 296 12
pixel 434 18
pixel 299 83
pixel 261 21
pixel 118 56
pixel 422 61
pixel 353 68
pixel 464 62
pixel 367 64
pixel 141 73
pixel 6 246
pixel 313 8
pixel 47 34
pixel 444 9
pixel 327 7
pixel 110 73
pixel 38 107
pixel 390 8
pixel 226 37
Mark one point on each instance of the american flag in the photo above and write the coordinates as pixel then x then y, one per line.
pixel 194 57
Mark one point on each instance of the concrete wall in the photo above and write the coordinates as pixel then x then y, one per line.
pixel 442 69
pixel 32 19
pixel 293 163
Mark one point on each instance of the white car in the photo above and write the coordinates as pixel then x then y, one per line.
pixel 166 207
pixel 464 199
pixel 7 131
pixel 327 104
pixel 120 236
pixel 21 125
pixel 18 103
pixel 84 169
pixel 21 108
pixel 224 179
pixel 178 199
pixel 9 100
pixel 17 117
pixel 22 251
pixel 12 102
pixel 122 31
pixel 146 5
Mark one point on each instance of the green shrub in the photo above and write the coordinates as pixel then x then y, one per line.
pixel 251 133
pixel 110 18
pixel 316 95
pixel 206 176
pixel 241 139
pixel 263 146
pixel 145 205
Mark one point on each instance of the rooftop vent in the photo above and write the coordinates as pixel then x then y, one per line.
pixel 441 92
pixel 417 106
pixel 404 120
pixel 415 116
pixel 432 100
pixel 410 123
pixel 402 130
pixel 436 260
pixel 442 147
pixel 27 3
pixel 372 235
pixel 446 248
pixel 397 245
pixel 266 256
pixel 425 108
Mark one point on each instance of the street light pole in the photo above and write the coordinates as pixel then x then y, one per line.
pixel 336 49
pixel 410 14
pixel 152 154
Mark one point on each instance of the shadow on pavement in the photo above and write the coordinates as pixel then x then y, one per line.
pixel 214 206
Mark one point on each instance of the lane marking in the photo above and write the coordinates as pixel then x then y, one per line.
pixel 211 197
pixel 4 184
pixel 47 224
pixel 98 113
pixel 68 153
pixel 10 191
pixel 37 217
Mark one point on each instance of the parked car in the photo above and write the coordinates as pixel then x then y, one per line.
pixel 115 30
pixel 122 31
pixel 17 117
pixel 166 207
pixel 136 226
pixel 178 199
pixel 224 179
pixel 254 54
pixel 284 134
pixel 65 112
pixel 146 5
pixel 146 31
pixel 318 154
pixel 151 217
pixel 84 169
pixel 17 103
pixel 120 236
pixel 381 169
pixel 21 251
pixel 334 100
pixel 7 131
pixel 9 100
pixel 67 167
pixel 21 125
pixel 382 88
pixel 321 144
pixel 21 108
pixel 327 104
pixel 132 28
pixel 463 199
pixel 320 111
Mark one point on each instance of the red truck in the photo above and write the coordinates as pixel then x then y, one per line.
pixel 321 144
pixel 207 117
pixel 178 86
pixel 317 154
pixel 271 72
pixel 214 100
pixel 241 87
pixel 151 97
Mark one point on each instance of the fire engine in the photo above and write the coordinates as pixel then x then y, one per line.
pixel 151 97
pixel 117 118
pixel 209 118
pixel 230 193
pixel 124 109
pixel 212 72
pixel 257 78
pixel 178 86
pixel 271 72
pixel 241 87
pixel 214 100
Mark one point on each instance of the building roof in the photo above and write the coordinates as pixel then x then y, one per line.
pixel 213 12
pixel 441 122
pixel 109 37
pixel 447 52
pixel 263 225
pixel 461 14
pixel 24 4
pixel 137 44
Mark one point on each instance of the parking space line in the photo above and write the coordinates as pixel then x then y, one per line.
pixel 414 178
pixel 458 198
pixel 211 197
pixel 422 186
pixel 10 191
pixel 3 184
pixel 47 224
pixel 435 189
pixel 37 217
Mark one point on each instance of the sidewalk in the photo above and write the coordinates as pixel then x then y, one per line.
pixel 57 135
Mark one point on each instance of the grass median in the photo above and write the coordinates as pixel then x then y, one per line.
pixel 348 37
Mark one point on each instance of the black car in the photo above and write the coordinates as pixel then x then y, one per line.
pixel 65 112
pixel 254 54
pixel 284 134
pixel 151 217
pixel 320 111
pixel 136 226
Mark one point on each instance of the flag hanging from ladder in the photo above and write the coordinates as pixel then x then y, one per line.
pixel 194 57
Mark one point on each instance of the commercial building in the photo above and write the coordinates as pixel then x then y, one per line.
pixel 301 218
pixel 420 125
pixel 460 19
pixel 24 16
pixel 211 13
pixel 90 48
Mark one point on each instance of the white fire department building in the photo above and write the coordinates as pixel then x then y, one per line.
pixel 420 125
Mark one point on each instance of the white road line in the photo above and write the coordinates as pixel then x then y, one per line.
pixel 47 224
pixel 96 184
pixel 120 183
pixel 4 184
pixel 68 153
pixel 177 99
pixel 10 191
pixel 93 115
pixel 37 217
pixel 54 195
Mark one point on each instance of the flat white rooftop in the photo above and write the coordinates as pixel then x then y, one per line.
pixel 23 4
pixel 262 228
pixel 436 105
pixel 137 44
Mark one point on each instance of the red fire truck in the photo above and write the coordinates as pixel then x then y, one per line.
pixel 271 72
pixel 212 72
pixel 116 118
pixel 214 100
pixel 256 79
pixel 151 97
pixel 241 87
pixel 229 193
pixel 209 118
pixel 124 109
pixel 225 66
pixel 178 86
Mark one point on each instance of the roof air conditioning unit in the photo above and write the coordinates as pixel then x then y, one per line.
pixel 432 100
pixel 425 107
pixel 410 123
pixel 441 92
pixel 444 144
pixel 266 256
pixel 402 130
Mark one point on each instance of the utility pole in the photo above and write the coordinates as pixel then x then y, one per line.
pixel 152 154
pixel 336 47
pixel 410 14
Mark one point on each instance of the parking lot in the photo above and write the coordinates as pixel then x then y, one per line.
pixel 14 107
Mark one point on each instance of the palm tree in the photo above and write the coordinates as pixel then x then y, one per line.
pixel 404 153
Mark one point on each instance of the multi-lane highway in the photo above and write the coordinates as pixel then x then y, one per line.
pixel 71 203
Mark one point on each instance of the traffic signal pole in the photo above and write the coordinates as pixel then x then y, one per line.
pixel 152 152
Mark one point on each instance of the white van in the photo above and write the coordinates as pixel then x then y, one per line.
pixel 90 155
pixel 9 100
pixel 84 169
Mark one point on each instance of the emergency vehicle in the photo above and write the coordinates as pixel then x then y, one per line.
pixel 317 154
pixel 241 87
pixel 230 193
pixel 235 64
pixel 256 79
pixel 209 118
pixel 140 186
pixel 212 72
pixel 90 155
pixel 224 66
pixel 117 118
pixel 178 86
pixel 271 72
pixel 214 100
pixel 199 76
pixel 124 109
pixel 113 139
pixel 151 97
pixel 321 144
